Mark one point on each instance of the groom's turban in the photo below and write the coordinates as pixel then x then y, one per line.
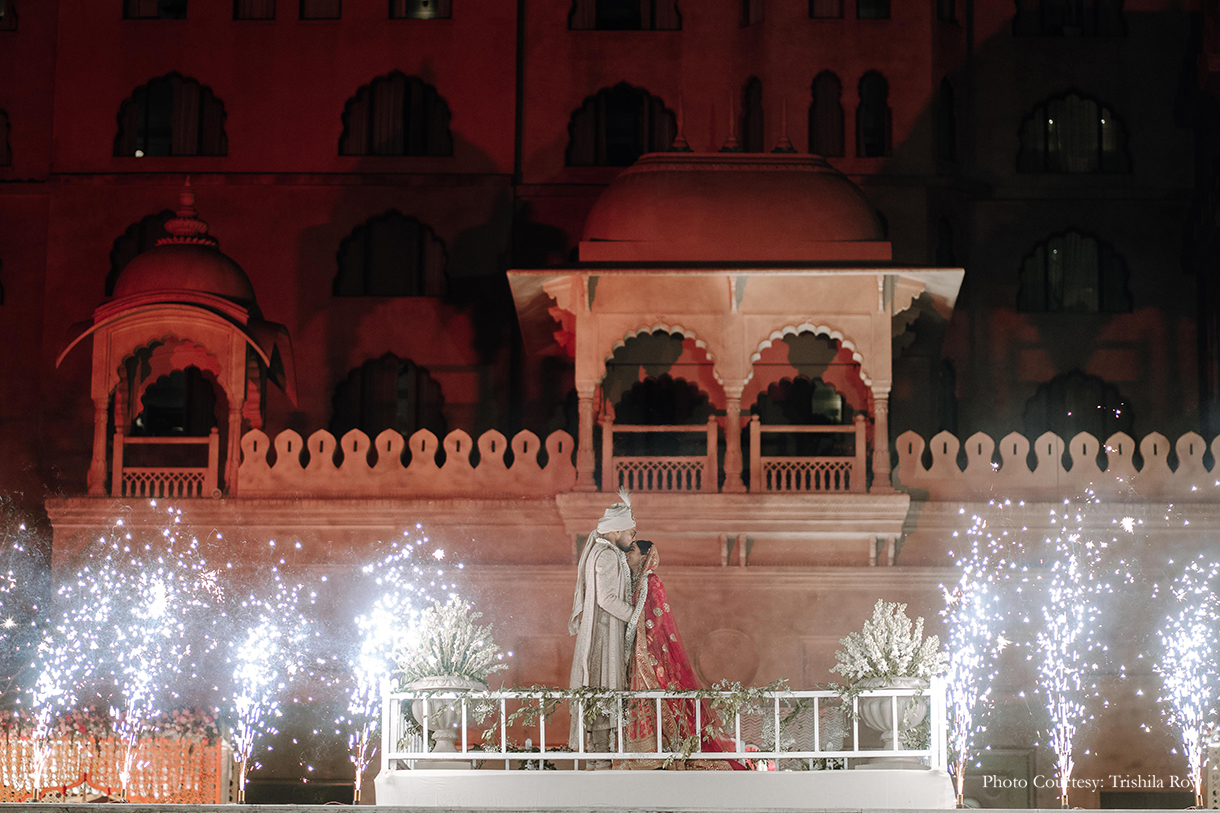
pixel 618 517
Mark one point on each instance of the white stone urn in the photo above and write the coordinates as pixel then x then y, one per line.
pixel 878 714
pixel 445 716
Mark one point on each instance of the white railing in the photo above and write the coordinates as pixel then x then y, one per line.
pixel 683 473
pixel 803 474
pixel 780 726
pixel 164 481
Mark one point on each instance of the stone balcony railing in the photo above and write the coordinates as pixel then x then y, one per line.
pixel 1052 469
pixel 375 468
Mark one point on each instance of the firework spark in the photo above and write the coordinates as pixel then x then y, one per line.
pixel 1187 666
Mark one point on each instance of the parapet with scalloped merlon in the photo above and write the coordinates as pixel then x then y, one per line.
pixel 354 466
pixel 1051 469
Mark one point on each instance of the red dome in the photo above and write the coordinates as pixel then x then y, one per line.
pixel 188 260
pixel 185 267
pixel 733 206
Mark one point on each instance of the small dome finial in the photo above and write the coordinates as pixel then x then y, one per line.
pixel 680 144
pixel 187 226
pixel 731 144
pixel 785 144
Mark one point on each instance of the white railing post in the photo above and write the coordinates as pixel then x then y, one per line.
pixel 386 734
pixel 210 478
pixel 116 472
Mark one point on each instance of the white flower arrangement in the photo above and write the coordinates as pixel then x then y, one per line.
pixel 890 646
pixel 446 641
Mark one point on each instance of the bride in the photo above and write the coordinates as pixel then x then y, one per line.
pixel 657 661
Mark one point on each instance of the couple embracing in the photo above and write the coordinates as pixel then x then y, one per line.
pixel 626 638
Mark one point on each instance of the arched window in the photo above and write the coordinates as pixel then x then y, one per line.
pixel 173 115
pixel 1072 133
pixel 1073 273
pixel 617 126
pixel 154 9
pixel 8 15
pixel 396 115
pixel 826 9
pixel 826 116
pixel 872 9
pixel 873 117
pixel 420 9
pixel 6 150
pixel 138 237
pixel 391 255
pixel 1070 18
pixel 751 123
pixel 388 393
pixel 1073 402
pixel 625 15
pixel 253 9
pixel 182 403
pixel 946 123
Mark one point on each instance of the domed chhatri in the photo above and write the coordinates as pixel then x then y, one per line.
pixel 188 260
pixel 739 207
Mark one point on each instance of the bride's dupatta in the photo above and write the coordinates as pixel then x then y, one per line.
pixel 658 661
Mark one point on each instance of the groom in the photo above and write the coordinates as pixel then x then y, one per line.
pixel 600 611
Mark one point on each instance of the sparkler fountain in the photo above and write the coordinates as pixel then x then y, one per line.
pixel 975 622
pixel 1190 639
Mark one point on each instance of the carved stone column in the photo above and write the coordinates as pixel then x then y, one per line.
pixel 881 440
pixel 233 453
pixel 584 443
pixel 732 442
pixel 97 467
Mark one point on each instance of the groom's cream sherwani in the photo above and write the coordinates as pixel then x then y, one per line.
pixel 600 658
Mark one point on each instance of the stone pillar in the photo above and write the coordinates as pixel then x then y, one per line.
pixel 584 443
pixel 233 455
pixel 881 440
pixel 732 443
pixel 97 467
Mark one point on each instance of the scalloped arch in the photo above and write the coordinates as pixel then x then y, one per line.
pixel 817 330
pixel 631 334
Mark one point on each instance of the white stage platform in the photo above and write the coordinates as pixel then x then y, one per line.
pixel 667 790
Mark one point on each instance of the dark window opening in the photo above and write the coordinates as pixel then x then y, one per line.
pixel 321 9
pixel 946 254
pixel 625 15
pixel 872 9
pixel 946 123
pixel 154 9
pixel 946 11
pixel 616 126
pixel 173 115
pixel 826 116
pixel 802 401
pixel 396 115
pixel 182 403
pixel 420 9
pixel 752 12
pixel 1073 273
pixel 1073 134
pixel 8 15
pixel 751 122
pixel 138 237
pixel 388 393
pixel 391 255
pixel 253 9
pixel 1072 403
pixel 1070 18
pixel 873 117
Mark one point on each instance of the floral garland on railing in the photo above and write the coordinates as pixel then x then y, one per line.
pixel 95 723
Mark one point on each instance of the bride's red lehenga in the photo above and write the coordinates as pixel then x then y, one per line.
pixel 658 661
